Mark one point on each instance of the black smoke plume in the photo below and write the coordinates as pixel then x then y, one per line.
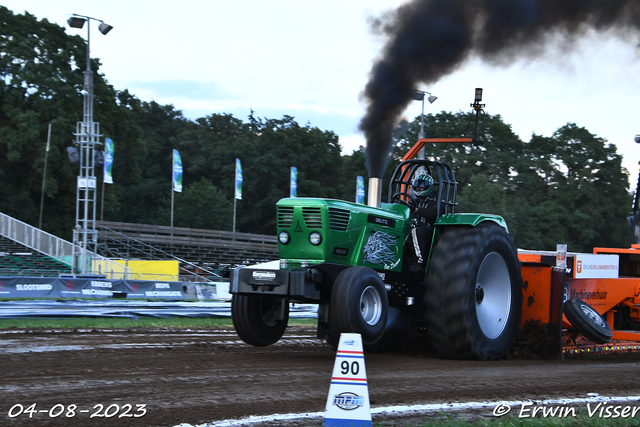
pixel 428 39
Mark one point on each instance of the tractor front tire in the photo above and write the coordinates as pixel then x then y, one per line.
pixel 258 319
pixel 395 332
pixel 359 304
pixel 473 293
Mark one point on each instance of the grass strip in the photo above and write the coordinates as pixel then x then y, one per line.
pixel 120 323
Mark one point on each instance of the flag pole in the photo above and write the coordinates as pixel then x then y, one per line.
pixel 235 196
pixel 234 214
pixel 44 175
pixel 102 201
pixel 172 178
pixel 238 191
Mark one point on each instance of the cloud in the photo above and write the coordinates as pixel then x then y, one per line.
pixel 176 89
pixel 340 124
pixel 351 143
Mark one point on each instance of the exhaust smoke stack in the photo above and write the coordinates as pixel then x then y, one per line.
pixel 429 39
pixel 375 192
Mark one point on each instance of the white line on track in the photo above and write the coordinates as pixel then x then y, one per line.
pixel 416 409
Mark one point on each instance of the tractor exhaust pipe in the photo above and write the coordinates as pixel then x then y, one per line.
pixel 375 192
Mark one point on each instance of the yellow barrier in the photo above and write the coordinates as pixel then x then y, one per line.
pixel 112 270
pixel 166 271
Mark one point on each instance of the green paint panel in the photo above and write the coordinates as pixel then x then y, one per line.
pixel 346 230
pixel 351 233
pixel 470 219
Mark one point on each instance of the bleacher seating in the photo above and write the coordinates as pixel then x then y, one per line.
pixel 209 250
pixel 201 253
pixel 20 260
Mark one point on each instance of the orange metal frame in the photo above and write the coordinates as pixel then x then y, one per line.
pixel 421 143
pixel 601 294
pixel 536 292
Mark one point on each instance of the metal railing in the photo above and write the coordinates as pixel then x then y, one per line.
pixel 59 249
pixel 110 235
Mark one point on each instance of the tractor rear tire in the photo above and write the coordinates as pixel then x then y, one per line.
pixel 473 293
pixel 255 318
pixel 359 304
pixel 331 337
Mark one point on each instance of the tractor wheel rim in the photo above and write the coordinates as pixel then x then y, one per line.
pixel 592 314
pixel 371 305
pixel 493 295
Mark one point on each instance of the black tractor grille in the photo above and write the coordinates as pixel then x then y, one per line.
pixel 312 217
pixel 339 219
pixel 285 216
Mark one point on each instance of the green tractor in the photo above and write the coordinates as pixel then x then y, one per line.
pixel 353 261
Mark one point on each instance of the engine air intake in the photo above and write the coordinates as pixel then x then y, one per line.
pixel 312 217
pixel 285 216
pixel 339 219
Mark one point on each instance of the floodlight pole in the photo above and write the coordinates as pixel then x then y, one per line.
pixel 87 138
pixel 418 95
pixel 421 133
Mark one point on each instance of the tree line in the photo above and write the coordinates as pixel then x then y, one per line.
pixel 569 187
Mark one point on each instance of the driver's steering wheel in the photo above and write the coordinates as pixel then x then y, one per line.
pixel 404 199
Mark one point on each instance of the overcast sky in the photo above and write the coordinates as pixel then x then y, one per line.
pixel 311 60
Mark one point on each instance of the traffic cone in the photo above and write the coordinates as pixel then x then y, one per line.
pixel 348 401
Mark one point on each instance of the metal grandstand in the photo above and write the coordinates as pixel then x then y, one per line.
pixel 202 254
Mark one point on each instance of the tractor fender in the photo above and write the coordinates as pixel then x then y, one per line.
pixel 469 219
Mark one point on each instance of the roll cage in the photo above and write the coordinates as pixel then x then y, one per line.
pixel 444 183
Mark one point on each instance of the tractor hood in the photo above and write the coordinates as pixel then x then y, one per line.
pixel 312 231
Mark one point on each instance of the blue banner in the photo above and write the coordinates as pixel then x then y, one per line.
pixel 47 287
pixel 238 180
pixel 294 182
pixel 109 149
pixel 360 190
pixel 177 172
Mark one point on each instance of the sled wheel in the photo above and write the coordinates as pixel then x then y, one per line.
pixel 474 293
pixel 566 293
pixel 588 321
pixel 359 304
pixel 256 318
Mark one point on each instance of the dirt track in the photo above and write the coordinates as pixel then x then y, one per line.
pixel 203 376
